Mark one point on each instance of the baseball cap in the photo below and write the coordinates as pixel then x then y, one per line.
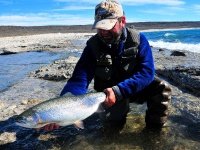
pixel 106 14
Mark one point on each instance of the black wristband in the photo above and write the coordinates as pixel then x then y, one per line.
pixel 117 93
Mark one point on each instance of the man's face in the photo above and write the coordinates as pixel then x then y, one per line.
pixel 113 35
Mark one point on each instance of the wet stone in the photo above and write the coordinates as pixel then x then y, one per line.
pixel 46 137
pixel 177 53
pixel 58 71
pixel 7 137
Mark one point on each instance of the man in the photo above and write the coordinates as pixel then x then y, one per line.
pixel 120 61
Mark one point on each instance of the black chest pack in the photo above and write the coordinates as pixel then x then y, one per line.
pixel 107 73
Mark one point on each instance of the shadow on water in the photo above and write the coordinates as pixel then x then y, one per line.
pixel 188 128
pixel 179 133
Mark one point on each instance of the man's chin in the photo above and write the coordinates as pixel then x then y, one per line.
pixel 109 40
pixel 106 41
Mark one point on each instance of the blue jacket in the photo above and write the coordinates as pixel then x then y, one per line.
pixel 85 68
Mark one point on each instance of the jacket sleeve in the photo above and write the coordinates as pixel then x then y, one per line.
pixel 142 77
pixel 82 74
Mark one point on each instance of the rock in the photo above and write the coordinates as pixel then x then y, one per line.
pixel 7 137
pixel 187 77
pixel 177 53
pixel 59 70
pixel 71 59
pixel 22 46
pixel 46 137
pixel 12 107
pixel 24 102
pixel 6 52
pixel 6 112
pixel 1 105
pixel 17 111
pixel 34 102
pixel 185 71
pixel 160 49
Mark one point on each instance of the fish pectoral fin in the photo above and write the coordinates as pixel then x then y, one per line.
pixel 79 124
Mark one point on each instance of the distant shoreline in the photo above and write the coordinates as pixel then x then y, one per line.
pixel 8 31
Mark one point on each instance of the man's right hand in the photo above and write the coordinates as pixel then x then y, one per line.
pixel 50 127
pixel 110 98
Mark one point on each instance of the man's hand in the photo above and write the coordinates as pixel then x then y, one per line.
pixel 50 127
pixel 110 98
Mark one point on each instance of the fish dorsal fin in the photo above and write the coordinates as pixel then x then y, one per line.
pixel 79 124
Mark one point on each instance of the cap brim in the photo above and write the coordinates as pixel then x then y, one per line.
pixel 105 24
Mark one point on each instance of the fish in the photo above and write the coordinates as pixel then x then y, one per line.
pixel 64 110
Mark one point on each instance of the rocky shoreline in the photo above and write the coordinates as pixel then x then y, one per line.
pixel 168 64
pixel 180 68
pixel 40 42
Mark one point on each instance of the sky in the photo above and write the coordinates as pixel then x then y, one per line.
pixel 81 12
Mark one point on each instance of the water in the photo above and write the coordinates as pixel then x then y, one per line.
pixel 187 39
pixel 17 66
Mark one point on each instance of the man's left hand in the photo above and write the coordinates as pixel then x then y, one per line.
pixel 50 127
pixel 110 98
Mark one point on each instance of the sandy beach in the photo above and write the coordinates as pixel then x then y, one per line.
pixel 35 88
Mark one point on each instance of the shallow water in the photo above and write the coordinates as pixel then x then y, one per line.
pixel 180 132
pixel 17 66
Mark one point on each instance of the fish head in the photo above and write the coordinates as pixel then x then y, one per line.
pixel 27 120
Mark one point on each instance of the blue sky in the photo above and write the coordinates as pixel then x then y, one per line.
pixel 81 12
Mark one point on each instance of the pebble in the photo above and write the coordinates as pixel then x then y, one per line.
pixel 2 105
pixel 9 109
pixel 7 137
pixel 24 102
pixel 32 101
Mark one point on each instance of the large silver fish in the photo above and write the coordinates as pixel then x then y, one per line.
pixel 64 110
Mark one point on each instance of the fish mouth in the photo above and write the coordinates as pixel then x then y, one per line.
pixel 19 120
